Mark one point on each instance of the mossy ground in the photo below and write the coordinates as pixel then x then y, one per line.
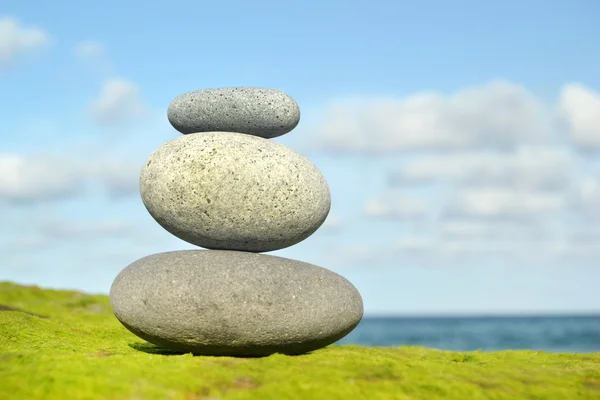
pixel 68 345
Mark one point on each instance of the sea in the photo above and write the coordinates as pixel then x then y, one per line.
pixel 574 334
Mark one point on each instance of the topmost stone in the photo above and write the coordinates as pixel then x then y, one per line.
pixel 267 113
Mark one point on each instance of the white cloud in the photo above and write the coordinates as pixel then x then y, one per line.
pixel 25 244
pixel 586 234
pixel 344 255
pixel 17 40
pixel 585 197
pixel 579 107
pixel 430 251
pixel 498 115
pixel 118 102
pixel 480 252
pixel 40 234
pixel 118 178
pixel 93 54
pixel 490 229
pixel 51 231
pixel 394 204
pixel 89 50
pixel 415 244
pixel 425 250
pixel 470 247
pixel 332 223
pixel 24 179
pixel 36 178
pixel 545 168
pixel 75 230
pixel 497 202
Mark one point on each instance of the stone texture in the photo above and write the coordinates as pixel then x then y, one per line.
pixel 216 302
pixel 267 113
pixel 231 191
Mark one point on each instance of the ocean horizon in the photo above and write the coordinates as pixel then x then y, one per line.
pixel 578 333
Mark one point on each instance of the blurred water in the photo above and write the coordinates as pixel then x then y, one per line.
pixel 548 333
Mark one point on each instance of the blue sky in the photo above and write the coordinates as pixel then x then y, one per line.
pixel 460 139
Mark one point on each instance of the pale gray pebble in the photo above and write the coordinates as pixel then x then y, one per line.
pixel 231 303
pixel 263 112
pixel 232 191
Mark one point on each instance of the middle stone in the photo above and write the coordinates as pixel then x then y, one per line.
pixel 233 191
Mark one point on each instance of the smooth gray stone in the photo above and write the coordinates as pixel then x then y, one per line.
pixel 231 191
pixel 231 303
pixel 267 113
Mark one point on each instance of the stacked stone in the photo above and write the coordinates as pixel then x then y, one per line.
pixel 226 187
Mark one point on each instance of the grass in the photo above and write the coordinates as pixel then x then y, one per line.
pixel 68 345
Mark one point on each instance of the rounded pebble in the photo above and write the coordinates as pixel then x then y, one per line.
pixel 231 303
pixel 231 191
pixel 267 113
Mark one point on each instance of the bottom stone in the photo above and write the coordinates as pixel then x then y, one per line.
pixel 233 303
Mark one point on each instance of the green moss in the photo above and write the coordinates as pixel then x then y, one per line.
pixel 68 345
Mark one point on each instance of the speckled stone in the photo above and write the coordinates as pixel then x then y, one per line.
pixel 267 113
pixel 231 191
pixel 216 302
